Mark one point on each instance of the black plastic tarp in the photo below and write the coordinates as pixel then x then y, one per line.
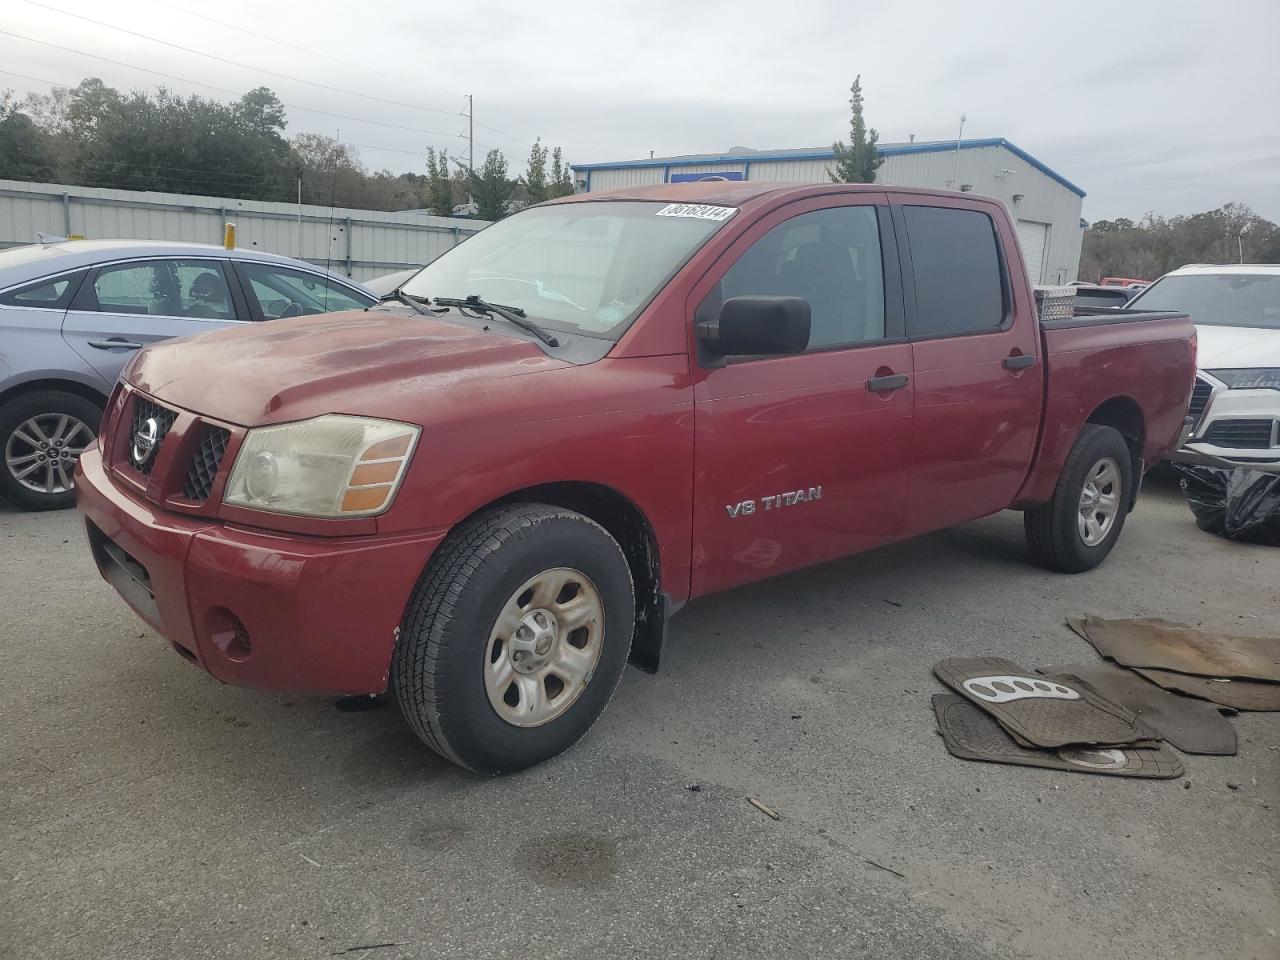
pixel 1242 504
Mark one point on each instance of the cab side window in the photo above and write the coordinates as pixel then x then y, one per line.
pixel 832 259
pixel 959 277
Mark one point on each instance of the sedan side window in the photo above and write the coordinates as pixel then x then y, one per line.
pixel 832 259
pixel 282 292
pixel 169 288
pixel 52 294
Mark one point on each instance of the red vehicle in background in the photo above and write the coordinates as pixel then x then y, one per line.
pixel 1124 282
pixel 488 493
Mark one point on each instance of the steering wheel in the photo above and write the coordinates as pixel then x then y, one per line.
pixel 294 309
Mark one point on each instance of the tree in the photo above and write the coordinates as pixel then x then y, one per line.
pixel 857 162
pixel 490 188
pixel 24 150
pixel 1155 245
pixel 535 177
pixel 331 172
pixel 561 184
pixel 439 183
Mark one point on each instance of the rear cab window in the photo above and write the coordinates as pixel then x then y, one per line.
pixel 961 284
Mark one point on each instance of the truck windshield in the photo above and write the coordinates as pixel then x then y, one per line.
pixel 1217 299
pixel 576 267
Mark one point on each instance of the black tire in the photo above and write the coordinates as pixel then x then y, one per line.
pixel 1052 531
pixel 437 669
pixel 16 412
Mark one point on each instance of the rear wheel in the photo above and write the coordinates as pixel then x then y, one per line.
pixel 1076 530
pixel 515 637
pixel 42 434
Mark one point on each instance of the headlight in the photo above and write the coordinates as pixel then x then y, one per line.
pixel 1249 378
pixel 332 466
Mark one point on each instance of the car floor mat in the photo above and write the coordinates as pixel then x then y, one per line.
pixel 1161 645
pixel 1193 726
pixel 1038 712
pixel 1256 695
pixel 972 734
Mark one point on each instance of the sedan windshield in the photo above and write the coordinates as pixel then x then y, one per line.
pixel 1217 299
pixel 576 267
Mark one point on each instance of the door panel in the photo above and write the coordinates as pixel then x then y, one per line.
pixel 976 418
pixel 771 428
pixel 796 460
pixel 122 307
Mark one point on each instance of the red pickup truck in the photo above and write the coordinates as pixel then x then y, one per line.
pixel 486 494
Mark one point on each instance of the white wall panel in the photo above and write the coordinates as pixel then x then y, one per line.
pixel 359 243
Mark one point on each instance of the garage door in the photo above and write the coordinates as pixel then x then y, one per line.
pixel 1034 238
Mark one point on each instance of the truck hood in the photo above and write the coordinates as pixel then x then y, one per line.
pixel 1226 348
pixel 381 364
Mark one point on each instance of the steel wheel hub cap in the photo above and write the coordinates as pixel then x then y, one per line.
pixel 544 647
pixel 1099 502
pixel 41 452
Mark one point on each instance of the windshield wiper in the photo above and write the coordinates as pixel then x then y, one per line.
pixel 418 303
pixel 513 315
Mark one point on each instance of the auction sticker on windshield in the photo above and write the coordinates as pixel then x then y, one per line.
pixel 700 211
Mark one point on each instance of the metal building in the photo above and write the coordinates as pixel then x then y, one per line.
pixel 1045 204
pixel 359 243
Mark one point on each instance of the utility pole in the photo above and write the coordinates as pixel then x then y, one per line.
pixel 471 140
pixel 955 171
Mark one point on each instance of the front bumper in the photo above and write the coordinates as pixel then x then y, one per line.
pixel 258 609
pixel 1235 428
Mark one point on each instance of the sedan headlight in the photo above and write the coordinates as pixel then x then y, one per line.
pixel 1249 378
pixel 331 466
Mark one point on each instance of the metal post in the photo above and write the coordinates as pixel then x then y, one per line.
pixel 955 172
pixel 348 246
pixel 299 253
pixel 66 215
pixel 471 133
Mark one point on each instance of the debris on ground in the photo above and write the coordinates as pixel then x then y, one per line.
pixel 971 733
pixel 767 811
pixel 693 787
pixel 1240 504
pixel 1160 644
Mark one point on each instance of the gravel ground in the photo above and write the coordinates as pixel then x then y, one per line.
pixel 149 812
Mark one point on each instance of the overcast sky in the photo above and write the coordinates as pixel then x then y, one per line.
pixel 1149 106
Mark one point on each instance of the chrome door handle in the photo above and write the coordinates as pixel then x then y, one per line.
pixel 115 345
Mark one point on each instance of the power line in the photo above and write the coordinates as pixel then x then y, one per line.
pixel 237 63
pixel 320 53
pixel 226 90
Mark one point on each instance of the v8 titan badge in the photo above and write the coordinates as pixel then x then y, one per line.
pixel 745 508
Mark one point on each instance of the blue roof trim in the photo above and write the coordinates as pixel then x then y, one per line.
pixel 886 150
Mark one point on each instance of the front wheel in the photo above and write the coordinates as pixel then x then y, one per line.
pixel 515 637
pixel 1076 530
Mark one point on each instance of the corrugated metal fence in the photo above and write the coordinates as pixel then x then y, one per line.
pixel 360 243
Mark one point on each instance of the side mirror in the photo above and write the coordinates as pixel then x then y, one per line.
pixel 757 327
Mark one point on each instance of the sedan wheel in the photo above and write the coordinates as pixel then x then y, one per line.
pixel 41 452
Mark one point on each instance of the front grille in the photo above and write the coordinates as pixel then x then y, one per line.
pixel 204 467
pixel 1199 399
pixel 1241 434
pixel 144 410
